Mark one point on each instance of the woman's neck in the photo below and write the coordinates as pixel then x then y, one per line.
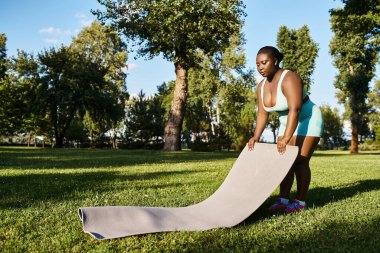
pixel 273 74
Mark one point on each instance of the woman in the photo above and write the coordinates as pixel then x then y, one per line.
pixel 301 123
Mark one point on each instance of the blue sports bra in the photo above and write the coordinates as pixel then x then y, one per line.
pixel 281 102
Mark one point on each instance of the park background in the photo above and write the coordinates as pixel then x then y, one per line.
pixel 42 188
pixel 36 25
pixel 33 26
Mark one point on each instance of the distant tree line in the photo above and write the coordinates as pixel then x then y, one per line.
pixel 67 93
pixel 355 49
pixel 77 94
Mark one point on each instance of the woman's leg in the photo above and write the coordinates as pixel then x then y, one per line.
pixel 287 182
pixel 301 168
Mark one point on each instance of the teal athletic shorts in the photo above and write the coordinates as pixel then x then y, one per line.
pixel 310 121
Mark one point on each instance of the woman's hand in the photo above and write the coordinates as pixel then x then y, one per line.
pixel 281 145
pixel 251 143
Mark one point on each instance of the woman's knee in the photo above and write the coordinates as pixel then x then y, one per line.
pixel 301 162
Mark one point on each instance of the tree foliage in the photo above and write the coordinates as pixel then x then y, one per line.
pixel 332 135
pixel 374 114
pixel 220 107
pixel 104 57
pixel 19 109
pixel 138 123
pixel 52 93
pixel 6 93
pixel 355 47
pixel 3 55
pixel 61 91
pixel 299 51
pixel 178 30
pixel 144 125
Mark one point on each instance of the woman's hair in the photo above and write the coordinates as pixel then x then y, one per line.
pixel 273 52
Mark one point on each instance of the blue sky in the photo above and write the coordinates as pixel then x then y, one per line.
pixel 37 24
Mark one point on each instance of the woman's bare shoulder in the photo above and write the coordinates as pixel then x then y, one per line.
pixel 260 84
pixel 292 77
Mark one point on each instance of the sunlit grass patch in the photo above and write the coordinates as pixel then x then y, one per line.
pixel 41 190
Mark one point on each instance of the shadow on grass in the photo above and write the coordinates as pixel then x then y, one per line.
pixel 22 191
pixel 344 153
pixel 24 158
pixel 332 237
pixel 318 197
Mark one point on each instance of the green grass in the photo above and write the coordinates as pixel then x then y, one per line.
pixel 41 190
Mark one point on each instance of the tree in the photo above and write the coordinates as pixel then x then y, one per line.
pixel 374 114
pixel 144 125
pixel 199 120
pixel 332 135
pixel 6 95
pixel 156 109
pixel 3 55
pixel 25 81
pixel 73 84
pixel 232 110
pixel 59 91
pixel 355 47
pixel 219 90
pixel 138 123
pixel 103 98
pixel 274 124
pixel 18 109
pixel 76 131
pixel 177 30
pixel 237 113
pixel 299 51
pixel 165 96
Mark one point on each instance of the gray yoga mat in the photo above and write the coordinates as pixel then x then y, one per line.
pixel 253 177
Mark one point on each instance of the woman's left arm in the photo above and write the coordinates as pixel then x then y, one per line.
pixel 292 89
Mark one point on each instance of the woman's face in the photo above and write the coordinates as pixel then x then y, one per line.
pixel 266 65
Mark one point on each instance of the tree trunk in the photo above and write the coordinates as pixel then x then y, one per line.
pixel 173 127
pixel 114 139
pixel 29 140
pixel 354 120
pixel 274 134
pixel 59 141
pixel 209 107
pixel 354 139
pixel 217 112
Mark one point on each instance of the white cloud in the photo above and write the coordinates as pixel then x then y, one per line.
pixel 54 35
pixel 83 19
pixel 48 30
pixel 132 66
pixel 51 41
pixel 55 31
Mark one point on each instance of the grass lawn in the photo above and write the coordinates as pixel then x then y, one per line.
pixel 41 190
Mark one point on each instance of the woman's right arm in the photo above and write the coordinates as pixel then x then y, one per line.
pixel 261 120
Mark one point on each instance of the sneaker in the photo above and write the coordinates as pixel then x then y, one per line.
pixel 279 205
pixel 295 206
